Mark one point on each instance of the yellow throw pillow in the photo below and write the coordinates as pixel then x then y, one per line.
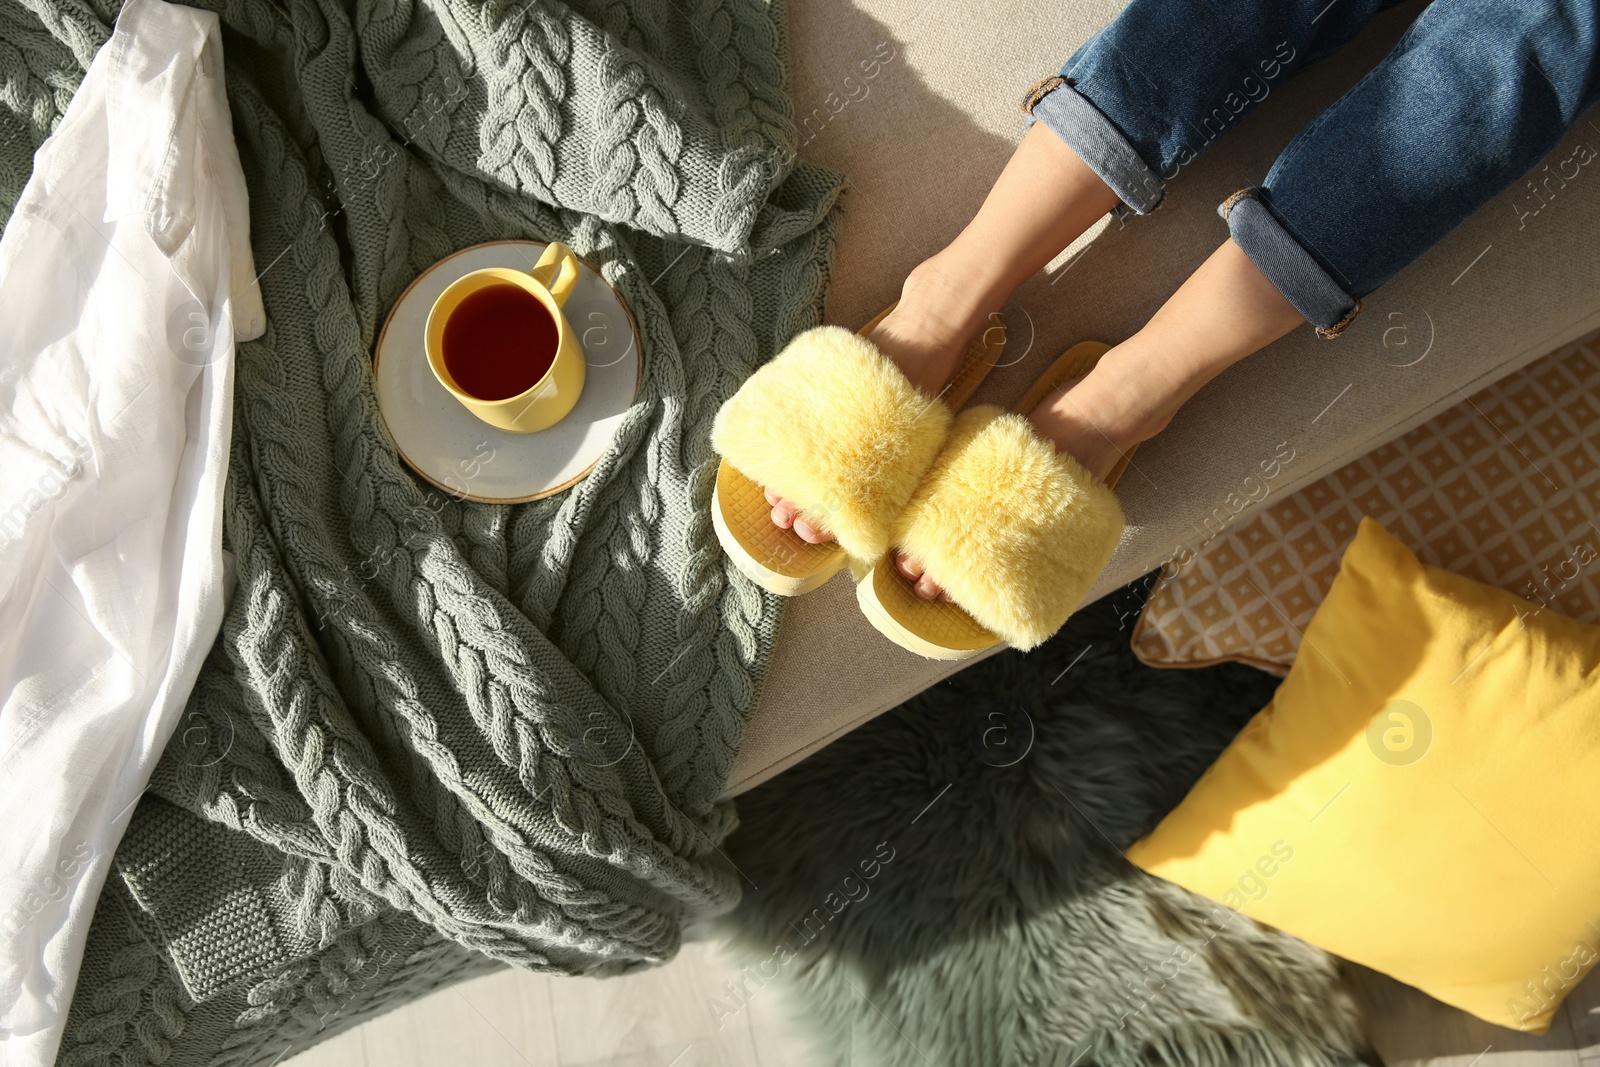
pixel 1422 794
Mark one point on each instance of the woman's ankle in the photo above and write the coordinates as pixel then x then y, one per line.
pixel 938 315
pixel 1123 402
pixel 1076 431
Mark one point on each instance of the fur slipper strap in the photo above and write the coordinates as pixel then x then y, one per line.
pixel 834 427
pixel 1014 531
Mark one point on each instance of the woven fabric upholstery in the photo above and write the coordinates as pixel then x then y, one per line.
pixel 1504 488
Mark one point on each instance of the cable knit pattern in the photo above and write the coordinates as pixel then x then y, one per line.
pixel 439 736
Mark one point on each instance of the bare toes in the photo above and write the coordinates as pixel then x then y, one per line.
pixel 924 586
pixel 786 516
pixel 810 533
pixel 908 567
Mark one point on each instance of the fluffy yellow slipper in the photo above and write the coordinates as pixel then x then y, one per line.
pixel 1014 532
pixel 834 427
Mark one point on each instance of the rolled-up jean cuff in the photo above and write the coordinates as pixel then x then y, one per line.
pixel 1286 263
pixel 1081 126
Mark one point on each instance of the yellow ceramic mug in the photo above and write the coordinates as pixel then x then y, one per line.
pixel 548 400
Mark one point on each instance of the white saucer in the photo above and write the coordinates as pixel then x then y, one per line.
pixel 453 449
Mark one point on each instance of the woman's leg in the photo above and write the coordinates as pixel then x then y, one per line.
pixel 1042 201
pixel 1226 310
pixel 1469 100
pixel 1140 99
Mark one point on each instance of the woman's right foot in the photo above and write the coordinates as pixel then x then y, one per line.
pixel 926 336
pixel 929 330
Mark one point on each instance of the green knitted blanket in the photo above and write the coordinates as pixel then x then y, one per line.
pixel 435 736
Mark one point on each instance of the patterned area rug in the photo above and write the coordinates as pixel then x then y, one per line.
pixel 946 885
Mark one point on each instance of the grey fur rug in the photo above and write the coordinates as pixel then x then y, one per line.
pixel 945 885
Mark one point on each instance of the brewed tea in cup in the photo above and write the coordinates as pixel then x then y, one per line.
pixel 498 340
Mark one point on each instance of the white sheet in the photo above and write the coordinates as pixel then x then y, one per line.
pixel 125 276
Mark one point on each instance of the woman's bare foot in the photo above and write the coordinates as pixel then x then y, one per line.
pixel 926 336
pixel 1042 201
pixel 1080 420
pixel 1226 310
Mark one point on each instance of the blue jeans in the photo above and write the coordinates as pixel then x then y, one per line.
pixel 1472 96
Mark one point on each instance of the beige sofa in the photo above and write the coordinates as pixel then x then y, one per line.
pixel 919 104
pixel 1411 1029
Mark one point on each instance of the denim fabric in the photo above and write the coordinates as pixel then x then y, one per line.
pixel 1099 144
pixel 1474 94
pixel 1298 276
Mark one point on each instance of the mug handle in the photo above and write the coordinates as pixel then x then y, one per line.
pixel 557 270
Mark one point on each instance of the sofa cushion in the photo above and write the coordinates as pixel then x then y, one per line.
pixel 1504 488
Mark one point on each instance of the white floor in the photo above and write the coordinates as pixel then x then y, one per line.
pixel 667 1018
pixel 664 1017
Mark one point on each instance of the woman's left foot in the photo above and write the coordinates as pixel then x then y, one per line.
pixel 1078 420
